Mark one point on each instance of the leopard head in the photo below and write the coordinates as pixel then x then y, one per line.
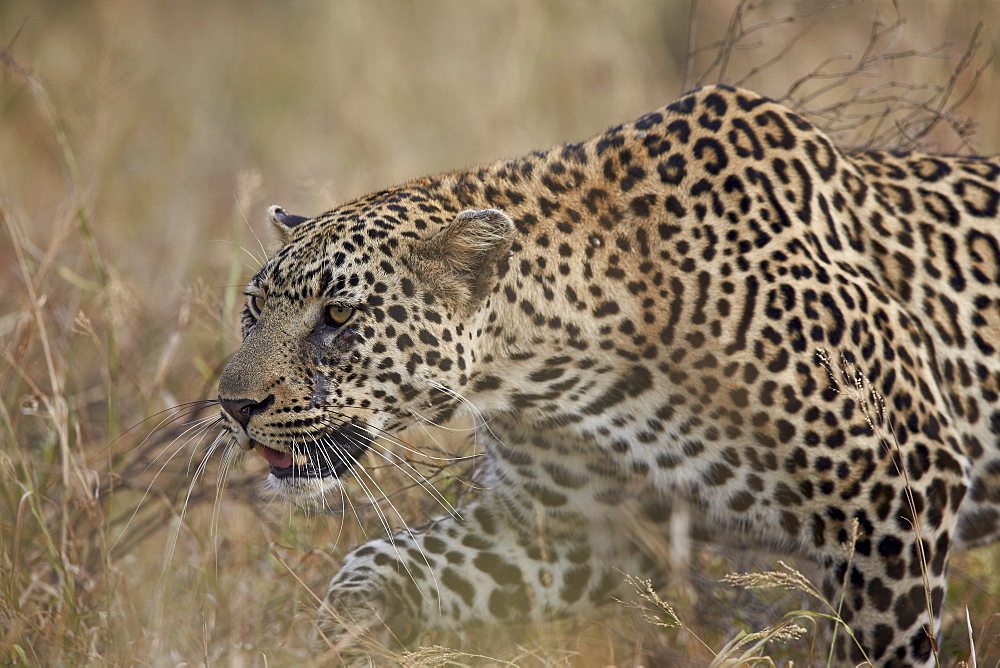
pixel 354 329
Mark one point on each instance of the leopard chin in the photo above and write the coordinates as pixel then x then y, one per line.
pixel 302 491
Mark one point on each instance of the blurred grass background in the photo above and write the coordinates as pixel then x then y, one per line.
pixel 139 146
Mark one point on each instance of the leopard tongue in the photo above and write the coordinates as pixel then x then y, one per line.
pixel 280 460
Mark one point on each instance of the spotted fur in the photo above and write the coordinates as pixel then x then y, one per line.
pixel 712 302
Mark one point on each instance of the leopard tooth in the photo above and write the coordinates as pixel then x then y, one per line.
pixel 300 459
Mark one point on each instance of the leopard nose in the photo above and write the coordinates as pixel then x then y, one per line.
pixel 242 410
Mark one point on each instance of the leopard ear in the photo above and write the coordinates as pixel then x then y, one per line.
pixel 283 222
pixel 465 259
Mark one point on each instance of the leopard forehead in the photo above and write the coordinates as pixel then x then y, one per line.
pixel 329 256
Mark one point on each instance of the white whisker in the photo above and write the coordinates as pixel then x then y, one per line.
pixel 195 432
pixel 410 471
pixel 477 415
pixel 395 442
pixel 263 251
pixel 198 473
pixel 408 531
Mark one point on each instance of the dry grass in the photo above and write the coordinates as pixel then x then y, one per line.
pixel 139 145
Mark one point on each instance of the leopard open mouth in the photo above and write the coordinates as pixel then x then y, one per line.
pixel 331 453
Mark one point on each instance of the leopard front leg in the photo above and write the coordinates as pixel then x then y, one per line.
pixel 379 593
pixel 890 600
pixel 506 558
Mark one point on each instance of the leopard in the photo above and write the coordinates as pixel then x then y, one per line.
pixel 713 303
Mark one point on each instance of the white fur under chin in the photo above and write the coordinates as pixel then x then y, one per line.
pixel 302 491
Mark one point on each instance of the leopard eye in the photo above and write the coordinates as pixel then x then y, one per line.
pixel 256 303
pixel 337 316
